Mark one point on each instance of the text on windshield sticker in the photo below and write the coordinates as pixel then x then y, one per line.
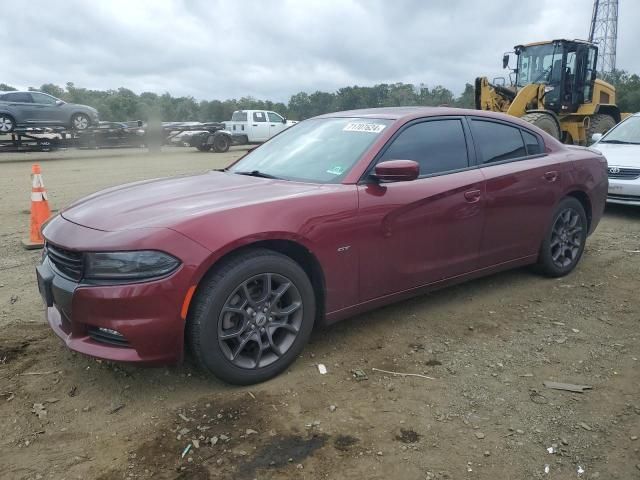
pixel 363 127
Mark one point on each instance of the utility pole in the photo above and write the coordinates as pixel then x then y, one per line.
pixel 604 33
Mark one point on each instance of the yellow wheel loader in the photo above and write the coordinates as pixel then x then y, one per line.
pixel 555 88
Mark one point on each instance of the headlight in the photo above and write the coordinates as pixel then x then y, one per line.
pixel 137 265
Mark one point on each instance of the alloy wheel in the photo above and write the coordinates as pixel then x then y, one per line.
pixel 6 124
pixel 260 321
pixel 566 238
pixel 80 122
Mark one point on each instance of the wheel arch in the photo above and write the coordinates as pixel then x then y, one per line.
pixel 611 110
pixel 585 201
pixel 291 248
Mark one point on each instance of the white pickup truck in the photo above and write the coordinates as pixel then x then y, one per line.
pixel 255 126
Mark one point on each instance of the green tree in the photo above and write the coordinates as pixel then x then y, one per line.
pixel 468 97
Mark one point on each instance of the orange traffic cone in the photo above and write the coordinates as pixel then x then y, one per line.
pixel 40 211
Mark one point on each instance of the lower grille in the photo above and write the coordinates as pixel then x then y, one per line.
pixel 624 173
pixel 67 262
pixel 102 336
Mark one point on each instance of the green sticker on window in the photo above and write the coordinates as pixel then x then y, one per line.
pixel 336 170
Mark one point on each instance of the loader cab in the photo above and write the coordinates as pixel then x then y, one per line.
pixel 567 69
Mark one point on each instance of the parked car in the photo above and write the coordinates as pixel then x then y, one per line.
pixel 112 135
pixel 30 109
pixel 621 146
pixel 337 215
pixel 256 126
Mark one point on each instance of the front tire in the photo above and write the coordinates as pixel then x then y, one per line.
pixel 80 122
pixel 544 121
pixel 251 317
pixel 564 244
pixel 7 123
pixel 599 123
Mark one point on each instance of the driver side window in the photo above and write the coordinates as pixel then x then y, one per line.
pixel 43 99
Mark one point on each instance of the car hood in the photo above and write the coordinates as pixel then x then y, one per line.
pixel 166 202
pixel 620 155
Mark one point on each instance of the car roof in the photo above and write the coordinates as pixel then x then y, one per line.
pixel 409 113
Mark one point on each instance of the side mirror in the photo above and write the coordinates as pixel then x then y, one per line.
pixel 397 171
pixel 595 137
pixel 284 120
pixel 505 60
pixel 59 103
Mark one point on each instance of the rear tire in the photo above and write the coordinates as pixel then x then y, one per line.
pixel 600 123
pixel 543 121
pixel 221 143
pixel 251 317
pixel 564 244
pixel 7 123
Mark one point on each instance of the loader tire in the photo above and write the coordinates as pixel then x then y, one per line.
pixel 600 123
pixel 545 122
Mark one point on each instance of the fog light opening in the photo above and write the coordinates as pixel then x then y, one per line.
pixel 109 331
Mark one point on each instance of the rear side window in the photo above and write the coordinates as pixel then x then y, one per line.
pixel 438 146
pixel 497 142
pixel 18 97
pixel 259 117
pixel 239 116
pixel 532 143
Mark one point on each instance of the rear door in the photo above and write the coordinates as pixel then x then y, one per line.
pixel 259 127
pixel 418 232
pixel 21 106
pixel 523 184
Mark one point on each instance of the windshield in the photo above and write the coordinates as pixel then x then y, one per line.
pixel 626 132
pixel 540 64
pixel 317 150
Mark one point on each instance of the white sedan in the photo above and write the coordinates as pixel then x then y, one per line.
pixel 621 146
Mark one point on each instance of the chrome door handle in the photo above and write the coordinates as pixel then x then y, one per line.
pixel 472 196
pixel 551 176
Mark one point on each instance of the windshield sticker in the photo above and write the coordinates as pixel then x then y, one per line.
pixel 336 170
pixel 363 127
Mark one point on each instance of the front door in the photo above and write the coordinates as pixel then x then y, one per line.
pixel 276 124
pixel 418 232
pixel 46 111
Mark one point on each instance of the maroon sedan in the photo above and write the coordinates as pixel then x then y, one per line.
pixel 337 215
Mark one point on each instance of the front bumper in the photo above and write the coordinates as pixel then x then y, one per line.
pixel 624 192
pixel 146 314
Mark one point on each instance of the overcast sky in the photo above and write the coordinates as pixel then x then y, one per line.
pixel 271 49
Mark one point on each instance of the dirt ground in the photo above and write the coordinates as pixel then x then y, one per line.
pixel 488 345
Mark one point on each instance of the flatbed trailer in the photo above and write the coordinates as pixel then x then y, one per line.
pixel 35 140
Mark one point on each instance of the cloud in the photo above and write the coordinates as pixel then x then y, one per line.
pixel 274 49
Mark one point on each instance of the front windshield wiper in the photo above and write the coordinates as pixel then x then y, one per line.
pixel 257 173
pixel 622 142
